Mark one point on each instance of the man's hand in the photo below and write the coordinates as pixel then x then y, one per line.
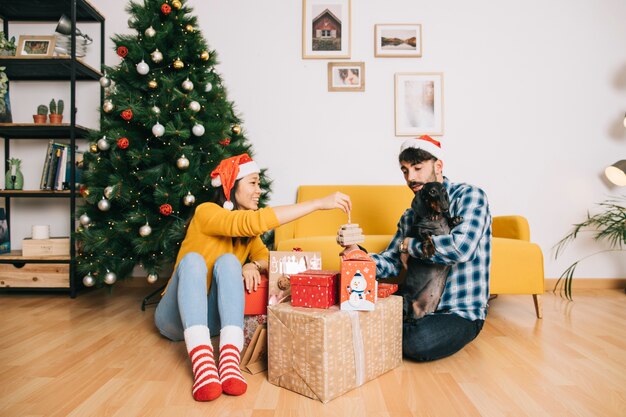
pixel 251 276
pixel 347 249
pixel 404 253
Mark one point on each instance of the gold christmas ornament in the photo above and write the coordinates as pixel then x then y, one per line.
pixel 177 4
pixel 93 148
pixel 236 129
pixel 152 84
pixel 189 28
pixel 178 64
pixel 204 55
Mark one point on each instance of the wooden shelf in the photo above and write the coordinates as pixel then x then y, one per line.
pixel 37 193
pixel 52 68
pixel 47 11
pixel 15 256
pixel 41 131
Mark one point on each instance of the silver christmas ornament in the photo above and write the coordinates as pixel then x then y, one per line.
pixel 107 106
pixel 104 204
pixel 189 199
pixel 182 162
pixel 84 219
pixel 156 110
pixel 110 277
pixel 156 56
pixel 152 278
pixel 197 130
pixel 194 106
pixel 143 68
pixel 103 144
pixel 208 87
pixel 104 81
pixel 145 230
pixel 158 129
pixel 187 85
pixel 89 280
pixel 150 32
pixel 108 192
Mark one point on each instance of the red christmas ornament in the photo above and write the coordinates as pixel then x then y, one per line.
pixel 122 51
pixel 166 9
pixel 127 114
pixel 165 209
pixel 122 143
pixel 84 191
pixel 225 142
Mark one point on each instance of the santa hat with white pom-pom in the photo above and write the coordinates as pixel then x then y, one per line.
pixel 229 171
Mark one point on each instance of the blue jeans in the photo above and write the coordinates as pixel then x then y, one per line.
pixel 436 336
pixel 186 302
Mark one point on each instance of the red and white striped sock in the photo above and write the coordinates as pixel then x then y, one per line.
pixel 207 385
pixel 231 343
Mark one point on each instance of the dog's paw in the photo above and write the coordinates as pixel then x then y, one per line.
pixel 428 247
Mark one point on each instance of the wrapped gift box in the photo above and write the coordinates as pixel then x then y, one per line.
pixel 385 290
pixel 256 301
pixel 317 289
pixel 358 287
pixel 323 354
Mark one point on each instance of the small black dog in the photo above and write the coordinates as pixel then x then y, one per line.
pixel 425 281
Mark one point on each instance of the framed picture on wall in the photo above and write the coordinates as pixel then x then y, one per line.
pixel 398 40
pixel 35 46
pixel 419 104
pixel 326 28
pixel 346 76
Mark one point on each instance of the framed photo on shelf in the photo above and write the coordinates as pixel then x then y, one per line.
pixel 346 76
pixel 35 46
pixel 326 28
pixel 398 40
pixel 419 104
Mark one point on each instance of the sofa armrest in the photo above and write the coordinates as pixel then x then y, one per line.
pixel 511 227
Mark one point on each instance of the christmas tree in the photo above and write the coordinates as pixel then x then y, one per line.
pixel 165 125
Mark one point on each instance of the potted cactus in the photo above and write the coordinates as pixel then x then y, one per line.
pixel 56 111
pixel 42 114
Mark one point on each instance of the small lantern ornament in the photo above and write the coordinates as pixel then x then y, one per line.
pixel 145 230
pixel 89 280
pixel 150 32
pixel 152 278
pixel 143 68
pixel 197 129
pixel 103 144
pixel 189 199
pixel 110 277
pixel 156 56
pixel 187 85
pixel 182 162
pixel 158 130
pixel 104 204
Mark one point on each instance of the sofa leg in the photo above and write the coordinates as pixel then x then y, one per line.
pixel 538 305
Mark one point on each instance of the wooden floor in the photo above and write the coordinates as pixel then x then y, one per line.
pixel 100 355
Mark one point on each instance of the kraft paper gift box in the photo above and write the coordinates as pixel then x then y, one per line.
pixel 283 264
pixel 256 301
pixel 315 289
pixel 358 288
pixel 323 354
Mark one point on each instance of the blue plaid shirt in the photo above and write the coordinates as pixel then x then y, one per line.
pixel 467 250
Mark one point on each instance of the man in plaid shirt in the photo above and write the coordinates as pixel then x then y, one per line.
pixel 461 312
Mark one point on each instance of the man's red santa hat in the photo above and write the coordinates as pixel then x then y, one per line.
pixel 229 171
pixel 425 143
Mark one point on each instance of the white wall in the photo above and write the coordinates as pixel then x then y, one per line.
pixel 534 97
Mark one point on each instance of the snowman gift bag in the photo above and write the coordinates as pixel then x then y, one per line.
pixel 358 286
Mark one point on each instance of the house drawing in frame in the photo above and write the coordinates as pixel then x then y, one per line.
pixel 326 32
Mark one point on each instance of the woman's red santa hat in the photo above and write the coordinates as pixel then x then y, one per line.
pixel 229 171
pixel 425 143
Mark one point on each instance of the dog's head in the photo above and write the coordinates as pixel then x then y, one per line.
pixel 432 198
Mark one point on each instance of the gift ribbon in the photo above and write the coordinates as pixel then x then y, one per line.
pixel 359 350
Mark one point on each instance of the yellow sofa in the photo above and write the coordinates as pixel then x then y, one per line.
pixel 516 263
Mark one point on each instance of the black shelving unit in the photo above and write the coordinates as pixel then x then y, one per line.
pixel 69 69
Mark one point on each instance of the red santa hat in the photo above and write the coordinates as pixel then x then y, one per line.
pixel 229 171
pixel 425 143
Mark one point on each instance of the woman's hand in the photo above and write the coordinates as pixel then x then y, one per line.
pixel 251 276
pixel 335 200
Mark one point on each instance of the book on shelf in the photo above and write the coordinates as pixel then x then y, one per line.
pixel 5 242
pixel 56 169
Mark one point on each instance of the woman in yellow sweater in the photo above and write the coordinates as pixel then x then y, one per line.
pixel 206 291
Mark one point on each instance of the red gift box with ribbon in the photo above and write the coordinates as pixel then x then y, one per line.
pixel 385 290
pixel 315 289
pixel 256 301
pixel 358 287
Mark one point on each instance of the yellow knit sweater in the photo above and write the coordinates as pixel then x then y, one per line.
pixel 213 228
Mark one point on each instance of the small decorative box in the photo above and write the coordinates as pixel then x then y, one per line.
pixel 256 301
pixel 316 289
pixel 385 290
pixel 358 288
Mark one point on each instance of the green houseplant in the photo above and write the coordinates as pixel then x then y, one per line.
pixel 608 225
pixel 56 111
pixel 42 114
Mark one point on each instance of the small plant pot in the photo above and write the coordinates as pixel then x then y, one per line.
pixel 39 118
pixel 56 119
